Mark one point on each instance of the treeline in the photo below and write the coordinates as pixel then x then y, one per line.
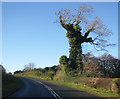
pixel 48 71
pixel 28 67
pixel 105 66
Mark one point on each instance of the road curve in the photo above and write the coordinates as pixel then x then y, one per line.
pixel 34 87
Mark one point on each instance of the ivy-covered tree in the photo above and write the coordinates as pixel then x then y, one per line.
pixel 64 62
pixel 81 30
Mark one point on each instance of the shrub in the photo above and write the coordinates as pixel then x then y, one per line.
pixel 118 85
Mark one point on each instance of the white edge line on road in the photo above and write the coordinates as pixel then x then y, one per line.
pixel 55 93
pixel 51 90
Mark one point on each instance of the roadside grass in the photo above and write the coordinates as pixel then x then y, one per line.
pixel 10 84
pixel 98 92
pixel 46 76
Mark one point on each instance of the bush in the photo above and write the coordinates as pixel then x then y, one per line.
pixel 118 84
pixel 99 83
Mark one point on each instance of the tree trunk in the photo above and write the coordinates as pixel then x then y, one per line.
pixel 79 60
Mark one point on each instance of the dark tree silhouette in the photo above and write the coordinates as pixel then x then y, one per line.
pixel 94 32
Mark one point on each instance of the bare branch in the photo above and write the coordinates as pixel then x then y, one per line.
pixel 72 21
pixel 87 33
pixel 96 37
pixel 98 27
pixel 81 14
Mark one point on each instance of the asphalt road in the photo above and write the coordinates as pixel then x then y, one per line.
pixel 34 87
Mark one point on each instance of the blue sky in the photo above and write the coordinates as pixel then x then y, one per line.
pixel 29 33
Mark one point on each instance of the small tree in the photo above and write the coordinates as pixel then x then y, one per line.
pixel 64 62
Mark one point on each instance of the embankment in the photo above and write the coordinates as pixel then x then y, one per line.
pixel 10 84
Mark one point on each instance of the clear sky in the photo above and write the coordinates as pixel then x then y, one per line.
pixel 29 33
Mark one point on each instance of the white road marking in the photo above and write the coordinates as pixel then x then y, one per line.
pixel 55 93
pixel 52 91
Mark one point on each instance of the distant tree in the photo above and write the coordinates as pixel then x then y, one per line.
pixel 94 32
pixel 54 68
pixel 3 69
pixel 18 71
pixel 10 73
pixel 92 67
pixel 46 68
pixel 29 67
pixel 110 65
pixel 26 68
pixel 39 69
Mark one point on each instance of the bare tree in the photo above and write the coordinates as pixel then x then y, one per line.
pixel 29 67
pixel 110 65
pixel 92 66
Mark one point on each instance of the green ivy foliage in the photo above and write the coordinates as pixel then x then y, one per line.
pixel 63 60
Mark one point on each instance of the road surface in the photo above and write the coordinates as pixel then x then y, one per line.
pixel 34 87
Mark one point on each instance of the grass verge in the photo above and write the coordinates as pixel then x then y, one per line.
pixel 98 92
pixel 10 84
